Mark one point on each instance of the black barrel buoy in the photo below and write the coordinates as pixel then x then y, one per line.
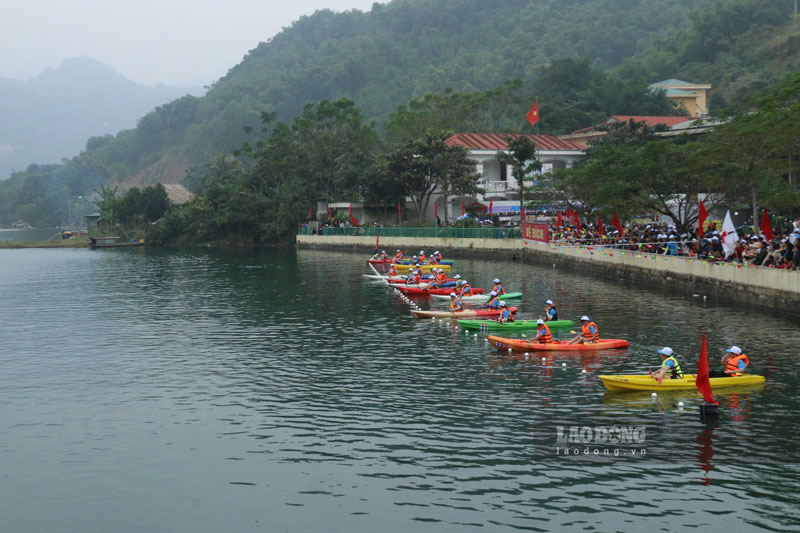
pixel 708 411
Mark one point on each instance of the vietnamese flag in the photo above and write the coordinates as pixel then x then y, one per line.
pixel 491 205
pixel 600 228
pixel 615 222
pixel 533 114
pixel 701 382
pixel 462 208
pixel 399 214
pixel 560 219
pixel 330 217
pixel 766 228
pixel 702 218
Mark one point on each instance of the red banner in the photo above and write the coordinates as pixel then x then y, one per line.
pixel 532 231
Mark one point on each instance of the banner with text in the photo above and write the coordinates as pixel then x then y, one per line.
pixel 532 231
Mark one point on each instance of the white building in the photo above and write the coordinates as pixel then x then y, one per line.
pixel 501 187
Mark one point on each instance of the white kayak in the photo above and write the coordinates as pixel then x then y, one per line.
pixel 476 298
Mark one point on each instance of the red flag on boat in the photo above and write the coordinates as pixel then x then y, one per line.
pixel 560 219
pixel 702 218
pixel 766 227
pixel 600 227
pixel 533 114
pixel 462 208
pixel 701 382
pixel 491 207
pixel 615 222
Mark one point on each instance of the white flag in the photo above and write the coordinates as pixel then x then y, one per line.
pixel 729 235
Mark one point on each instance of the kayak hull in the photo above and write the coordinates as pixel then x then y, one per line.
pixel 418 291
pixel 643 382
pixel 479 297
pixel 523 345
pixel 425 268
pixel 467 313
pixel 491 325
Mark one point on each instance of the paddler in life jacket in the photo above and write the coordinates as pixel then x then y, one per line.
pixel 438 256
pixel 455 303
pixel 441 277
pixel 505 316
pixel 498 287
pixel 543 332
pixel 589 333
pixel 392 270
pixel 422 256
pixel 493 303
pixel 735 363
pixel 384 255
pixel 464 287
pixel 398 256
pixel 550 311
pixel 669 366
pixel 414 278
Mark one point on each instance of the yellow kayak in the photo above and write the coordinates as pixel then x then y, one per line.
pixel 687 382
pixel 425 268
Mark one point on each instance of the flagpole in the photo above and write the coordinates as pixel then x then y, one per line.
pixel 537 122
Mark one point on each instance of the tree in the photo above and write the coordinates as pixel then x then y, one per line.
pixel 521 155
pixel 429 165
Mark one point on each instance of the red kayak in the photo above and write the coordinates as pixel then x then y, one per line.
pixel 416 291
pixel 400 281
pixel 524 345
pixel 466 313
pixel 380 261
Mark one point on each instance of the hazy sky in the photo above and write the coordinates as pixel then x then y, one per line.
pixel 175 42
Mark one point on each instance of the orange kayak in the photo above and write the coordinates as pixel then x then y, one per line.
pixel 524 345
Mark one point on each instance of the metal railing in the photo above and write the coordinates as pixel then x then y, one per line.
pixel 437 233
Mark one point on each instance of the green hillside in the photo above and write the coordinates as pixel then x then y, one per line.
pixel 582 59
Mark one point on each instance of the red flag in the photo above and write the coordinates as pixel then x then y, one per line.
pixel 702 218
pixel 330 216
pixel 615 222
pixel 399 214
pixel 462 208
pixel 377 240
pixel 353 220
pixel 766 228
pixel 600 228
pixel 491 207
pixel 701 382
pixel 309 213
pixel 435 210
pixel 578 222
pixel 533 114
pixel 570 213
pixel 560 219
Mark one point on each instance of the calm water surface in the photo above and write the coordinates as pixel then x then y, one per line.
pixel 264 390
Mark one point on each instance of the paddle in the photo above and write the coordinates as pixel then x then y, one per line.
pixel 378 273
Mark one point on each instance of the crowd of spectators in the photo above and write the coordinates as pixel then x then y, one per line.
pixel 665 239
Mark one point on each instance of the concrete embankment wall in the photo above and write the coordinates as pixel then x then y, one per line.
pixel 768 287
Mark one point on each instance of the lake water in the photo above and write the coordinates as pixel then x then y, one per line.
pixel 280 390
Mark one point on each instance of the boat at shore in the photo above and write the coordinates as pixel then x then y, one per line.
pixel 645 382
pixel 112 242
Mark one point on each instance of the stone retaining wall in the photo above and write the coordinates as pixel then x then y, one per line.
pixel 769 287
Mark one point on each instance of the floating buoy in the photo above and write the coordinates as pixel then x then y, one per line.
pixel 583 371
pixel 544 359
pixel 680 405
pixel 526 354
pixel 509 349
pixel 654 394
pixel 475 335
pixel 563 365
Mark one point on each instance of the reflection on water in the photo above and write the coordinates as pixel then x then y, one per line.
pixel 211 390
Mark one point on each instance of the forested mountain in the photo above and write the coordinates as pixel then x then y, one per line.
pixel 582 59
pixel 51 116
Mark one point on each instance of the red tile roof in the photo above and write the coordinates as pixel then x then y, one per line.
pixel 497 141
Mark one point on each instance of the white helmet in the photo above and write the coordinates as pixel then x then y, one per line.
pixel 495 280
pixel 493 293
pixel 666 350
pixel 540 321
pixel 549 302
pixel 452 295
pixel 503 303
pixel 584 317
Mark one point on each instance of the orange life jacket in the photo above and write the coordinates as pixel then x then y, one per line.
pixel 466 290
pixel 494 303
pixel 421 258
pixel 384 256
pixel 498 288
pixel 399 255
pixel 417 278
pixel 393 271
pixel 587 334
pixel 733 364
pixel 455 304
pixel 441 277
pixel 544 335
pixel 506 316
pixel 433 260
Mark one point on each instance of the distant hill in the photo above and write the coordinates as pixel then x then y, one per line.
pixel 51 116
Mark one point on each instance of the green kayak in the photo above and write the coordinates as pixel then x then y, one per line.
pixel 517 324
